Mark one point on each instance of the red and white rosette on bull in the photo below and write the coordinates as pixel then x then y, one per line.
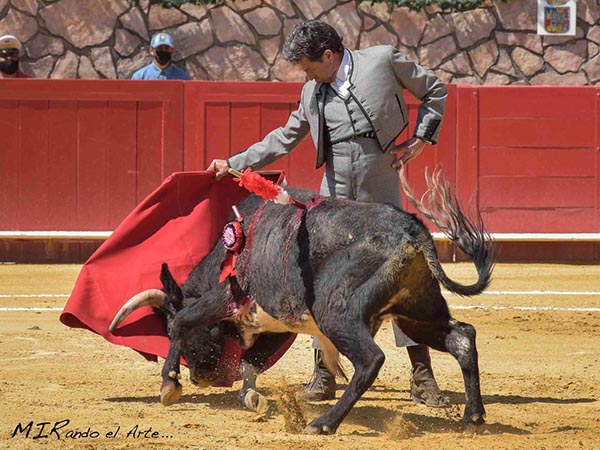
pixel 233 240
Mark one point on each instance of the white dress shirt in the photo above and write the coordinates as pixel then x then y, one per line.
pixel 342 78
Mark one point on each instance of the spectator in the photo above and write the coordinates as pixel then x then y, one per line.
pixel 11 51
pixel 353 107
pixel 162 67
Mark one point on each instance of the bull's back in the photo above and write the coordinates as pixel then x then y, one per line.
pixel 289 251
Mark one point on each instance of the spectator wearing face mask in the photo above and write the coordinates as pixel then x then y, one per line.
pixel 161 68
pixel 11 50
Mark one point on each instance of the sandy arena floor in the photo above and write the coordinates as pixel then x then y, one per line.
pixel 540 375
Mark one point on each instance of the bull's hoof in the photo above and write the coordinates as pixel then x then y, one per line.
pixel 476 425
pixel 170 392
pixel 316 428
pixel 255 401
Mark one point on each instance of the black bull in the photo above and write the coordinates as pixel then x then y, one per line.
pixel 335 270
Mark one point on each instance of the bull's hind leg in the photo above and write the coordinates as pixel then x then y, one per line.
pixel 458 339
pixel 460 343
pixel 366 357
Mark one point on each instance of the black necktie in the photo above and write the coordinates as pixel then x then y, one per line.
pixel 323 137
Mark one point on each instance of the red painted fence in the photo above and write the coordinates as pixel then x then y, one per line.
pixel 538 151
pixel 79 154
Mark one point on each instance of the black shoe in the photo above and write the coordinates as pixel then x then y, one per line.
pixel 423 387
pixel 322 385
pixel 425 390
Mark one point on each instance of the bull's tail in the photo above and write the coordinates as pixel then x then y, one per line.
pixel 440 205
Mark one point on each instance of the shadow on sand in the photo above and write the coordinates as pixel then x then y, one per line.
pixel 377 419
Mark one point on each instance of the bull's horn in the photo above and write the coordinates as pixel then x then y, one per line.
pixel 151 297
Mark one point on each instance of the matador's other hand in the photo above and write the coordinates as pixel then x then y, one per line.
pixel 407 151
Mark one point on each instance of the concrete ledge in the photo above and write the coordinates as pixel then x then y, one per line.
pixel 84 235
pixel 77 246
pixel 536 237
pixel 500 237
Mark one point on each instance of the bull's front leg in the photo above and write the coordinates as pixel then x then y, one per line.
pixel 170 391
pixel 367 358
pixel 254 361
pixel 249 396
pixel 204 311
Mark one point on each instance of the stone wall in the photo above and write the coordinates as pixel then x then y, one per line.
pixel 496 44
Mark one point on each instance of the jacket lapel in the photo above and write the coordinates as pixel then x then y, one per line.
pixel 320 95
pixel 352 74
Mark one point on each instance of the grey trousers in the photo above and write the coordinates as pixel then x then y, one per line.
pixel 357 169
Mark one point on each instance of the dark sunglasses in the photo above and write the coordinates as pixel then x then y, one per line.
pixel 9 54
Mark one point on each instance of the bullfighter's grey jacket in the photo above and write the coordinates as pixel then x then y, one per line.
pixel 379 76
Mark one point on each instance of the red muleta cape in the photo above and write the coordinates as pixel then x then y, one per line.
pixel 178 224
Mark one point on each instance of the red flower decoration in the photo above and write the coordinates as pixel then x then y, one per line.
pixel 258 184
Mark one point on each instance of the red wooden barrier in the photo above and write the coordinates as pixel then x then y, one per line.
pixel 79 155
pixel 443 154
pixel 538 151
pixel 224 118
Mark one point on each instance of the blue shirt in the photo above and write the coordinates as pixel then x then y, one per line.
pixel 153 72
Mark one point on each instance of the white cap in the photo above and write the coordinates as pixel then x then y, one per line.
pixel 9 41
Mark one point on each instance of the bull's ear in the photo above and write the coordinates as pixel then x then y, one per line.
pixel 171 288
